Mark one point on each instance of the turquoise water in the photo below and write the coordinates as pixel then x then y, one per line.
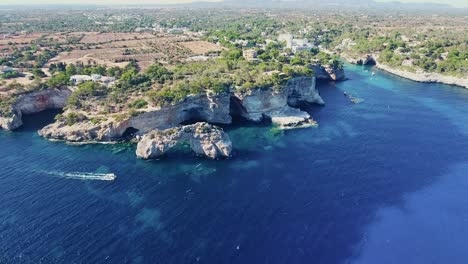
pixel 383 181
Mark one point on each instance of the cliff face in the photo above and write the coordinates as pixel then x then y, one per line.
pixel 204 139
pixel 255 105
pixel 361 60
pixel 210 108
pixel 276 106
pixel 328 73
pixel 303 90
pixel 34 103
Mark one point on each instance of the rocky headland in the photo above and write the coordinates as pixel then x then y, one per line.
pixel 276 105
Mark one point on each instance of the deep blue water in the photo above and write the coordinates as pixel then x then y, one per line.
pixel 384 181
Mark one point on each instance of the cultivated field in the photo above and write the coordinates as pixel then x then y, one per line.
pixel 144 48
pixel 200 47
pixel 111 37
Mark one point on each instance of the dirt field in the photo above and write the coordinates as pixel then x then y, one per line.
pixel 156 48
pixel 200 47
pixel 109 37
pixel 21 39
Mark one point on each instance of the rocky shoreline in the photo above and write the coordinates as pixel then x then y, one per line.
pixel 158 129
pixel 425 76
pixel 278 106
pixel 419 76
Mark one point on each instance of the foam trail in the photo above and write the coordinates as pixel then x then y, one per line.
pixel 84 175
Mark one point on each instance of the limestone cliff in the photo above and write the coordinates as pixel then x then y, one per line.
pixel 33 103
pixel 204 139
pixel 302 90
pixel 368 59
pixel 328 73
pixel 254 105
pixel 208 107
pixel 257 105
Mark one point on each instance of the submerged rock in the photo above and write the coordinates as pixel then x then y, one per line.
pixel 353 99
pixel 204 139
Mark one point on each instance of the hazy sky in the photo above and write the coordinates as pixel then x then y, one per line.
pixel 457 3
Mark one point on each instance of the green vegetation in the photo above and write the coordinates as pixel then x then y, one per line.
pixel 71 118
pixel 5 106
pixel 400 41
pixel 138 104
pixel 431 51
pixel 11 75
pixel 85 91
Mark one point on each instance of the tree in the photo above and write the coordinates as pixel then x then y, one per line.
pixel 158 73
pixel 71 70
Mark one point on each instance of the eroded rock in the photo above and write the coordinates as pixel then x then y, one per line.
pixel 328 73
pixel 254 105
pixel 34 102
pixel 207 107
pixel 204 139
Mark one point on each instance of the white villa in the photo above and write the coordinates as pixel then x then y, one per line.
pixel 296 45
pixel 77 79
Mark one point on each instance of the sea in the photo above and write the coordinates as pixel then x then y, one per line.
pixel 381 180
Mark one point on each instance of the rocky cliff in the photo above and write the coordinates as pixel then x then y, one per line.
pixel 207 107
pixel 254 105
pixel 368 59
pixel 33 103
pixel 204 139
pixel 260 104
pixel 328 73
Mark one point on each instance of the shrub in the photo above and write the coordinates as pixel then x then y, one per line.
pixel 73 118
pixel 138 104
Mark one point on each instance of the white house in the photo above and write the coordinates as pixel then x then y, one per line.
pixel 77 79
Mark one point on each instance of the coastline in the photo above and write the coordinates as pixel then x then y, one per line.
pixel 425 77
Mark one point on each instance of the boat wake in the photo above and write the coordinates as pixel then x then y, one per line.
pixel 83 175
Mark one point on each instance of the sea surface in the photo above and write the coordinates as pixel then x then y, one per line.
pixel 382 181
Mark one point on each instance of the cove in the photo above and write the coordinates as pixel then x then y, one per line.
pixel 382 181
